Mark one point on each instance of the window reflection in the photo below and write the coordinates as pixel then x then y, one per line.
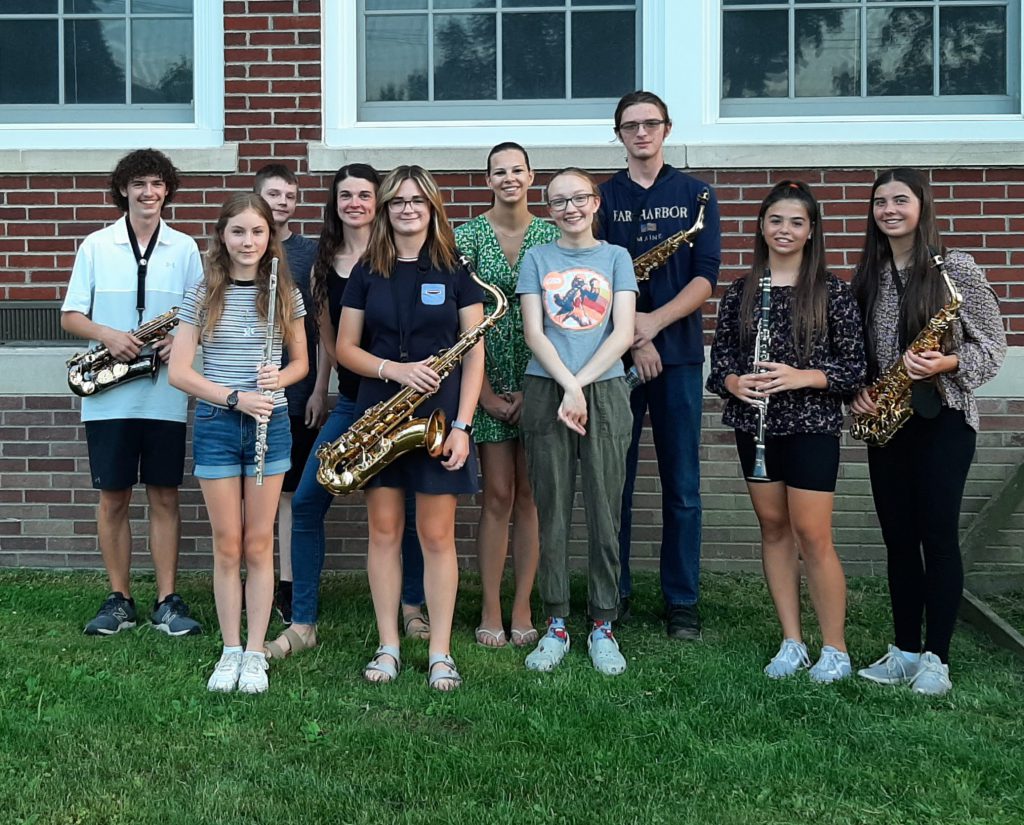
pixel 827 53
pixel 755 62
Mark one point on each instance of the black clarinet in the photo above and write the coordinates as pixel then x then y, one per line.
pixel 762 353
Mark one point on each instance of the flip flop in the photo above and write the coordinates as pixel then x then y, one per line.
pixel 389 672
pixel 490 638
pixel 296 644
pixel 417 626
pixel 525 636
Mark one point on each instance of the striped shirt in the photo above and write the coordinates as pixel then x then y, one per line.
pixel 233 352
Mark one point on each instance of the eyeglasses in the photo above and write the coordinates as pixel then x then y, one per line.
pixel 633 126
pixel 399 204
pixel 561 204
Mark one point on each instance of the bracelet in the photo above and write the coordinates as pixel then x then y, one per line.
pixel 380 371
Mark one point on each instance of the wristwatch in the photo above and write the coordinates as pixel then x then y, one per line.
pixel 462 425
pixel 232 399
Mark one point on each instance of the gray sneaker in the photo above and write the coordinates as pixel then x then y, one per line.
pixel 932 677
pixel 894 668
pixel 792 656
pixel 604 652
pixel 832 665
pixel 116 614
pixel 172 617
pixel 549 651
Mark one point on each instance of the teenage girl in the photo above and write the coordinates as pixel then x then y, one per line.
pixel 578 296
pixel 918 478
pixel 227 314
pixel 408 299
pixel 348 215
pixel 496 242
pixel 816 360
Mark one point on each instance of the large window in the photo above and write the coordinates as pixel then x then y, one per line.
pixel 885 57
pixel 495 59
pixel 97 61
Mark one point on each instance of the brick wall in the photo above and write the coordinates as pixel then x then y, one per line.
pixel 272 103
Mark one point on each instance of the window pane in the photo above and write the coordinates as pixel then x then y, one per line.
pixel 396 58
pixel 463 4
pixel 162 61
pixel 598 71
pixel 827 53
pixel 755 2
pixel 510 4
pixel 972 45
pixel 94 61
pixel 899 52
pixel 533 56
pixel 94 6
pixel 600 3
pixel 28 7
pixel 393 5
pixel 24 78
pixel 161 6
pixel 754 55
pixel 464 57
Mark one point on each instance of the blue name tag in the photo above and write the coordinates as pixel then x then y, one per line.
pixel 432 294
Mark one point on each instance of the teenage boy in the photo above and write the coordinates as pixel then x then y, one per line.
pixel 641 206
pixel 307 400
pixel 124 275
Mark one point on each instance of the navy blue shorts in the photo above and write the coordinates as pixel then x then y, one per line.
pixel 224 443
pixel 123 450
pixel 804 461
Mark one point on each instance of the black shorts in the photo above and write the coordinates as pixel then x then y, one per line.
pixel 805 461
pixel 123 451
pixel 303 439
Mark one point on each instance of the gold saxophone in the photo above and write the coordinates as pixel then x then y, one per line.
pixel 97 370
pixel 388 430
pixel 655 258
pixel 891 392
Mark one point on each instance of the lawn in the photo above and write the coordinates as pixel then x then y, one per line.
pixel 122 730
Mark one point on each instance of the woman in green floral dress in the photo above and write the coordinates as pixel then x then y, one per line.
pixel 496 242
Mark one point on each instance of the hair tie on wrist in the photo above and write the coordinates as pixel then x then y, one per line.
pixel 380 371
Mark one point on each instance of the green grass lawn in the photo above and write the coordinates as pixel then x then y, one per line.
pixel 122 730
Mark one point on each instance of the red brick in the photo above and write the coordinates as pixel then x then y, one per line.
pixel 275 38
pixel 272 70
pixel 247 22
pixel 32 197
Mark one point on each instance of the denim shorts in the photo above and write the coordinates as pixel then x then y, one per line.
pixel 224 443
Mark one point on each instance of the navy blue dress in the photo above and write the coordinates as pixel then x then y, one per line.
pixel 408 317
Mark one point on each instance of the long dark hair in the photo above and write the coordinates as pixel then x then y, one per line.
pixel 333 232
pixel 810 292
pixel 925 293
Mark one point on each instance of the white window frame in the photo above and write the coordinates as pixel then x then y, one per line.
pixel 206 130
pixel 682 62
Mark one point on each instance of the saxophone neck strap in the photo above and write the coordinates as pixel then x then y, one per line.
pixel 404 314
pixel 142 262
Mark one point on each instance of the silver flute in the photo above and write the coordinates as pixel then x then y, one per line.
pixel 762 353
pixel 268 359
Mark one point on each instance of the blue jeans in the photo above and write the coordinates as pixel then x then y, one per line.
pixel 309 507
pixel 674 400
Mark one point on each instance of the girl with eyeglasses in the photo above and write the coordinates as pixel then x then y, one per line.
pixel 816 361
pixel 496 243
pixel 407 299
pixel 578 296
pixel 918 477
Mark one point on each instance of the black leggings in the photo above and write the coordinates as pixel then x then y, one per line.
pixel 917 481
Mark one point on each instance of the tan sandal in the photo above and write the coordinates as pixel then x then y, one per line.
pixel 289 642
pixel 417 626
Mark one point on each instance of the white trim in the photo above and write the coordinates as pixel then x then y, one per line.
pixel 681 58
pixel 223 158
pixel 206 131
pixel 43 371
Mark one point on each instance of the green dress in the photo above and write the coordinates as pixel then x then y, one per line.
pixel 507 353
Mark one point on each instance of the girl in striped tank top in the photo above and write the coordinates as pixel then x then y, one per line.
pixel 227 314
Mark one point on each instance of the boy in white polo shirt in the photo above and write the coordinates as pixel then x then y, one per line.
pixel 124 275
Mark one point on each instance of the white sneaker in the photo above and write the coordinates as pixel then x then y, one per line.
pixel 225 674
pixel 792 656
pixel 894 668
pixel 932 677
pixel 253 676
pixel 832 665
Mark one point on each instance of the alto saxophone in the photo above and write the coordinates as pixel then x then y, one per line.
pixel 268 359
pixel 97 370
pixel 762 352
pixel 388 430
pixel 891 392
pixel 655 258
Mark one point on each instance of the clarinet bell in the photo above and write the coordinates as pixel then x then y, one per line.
pixel 759 474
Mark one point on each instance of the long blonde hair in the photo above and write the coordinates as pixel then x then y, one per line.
pixel 217 268
pixel 380 254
